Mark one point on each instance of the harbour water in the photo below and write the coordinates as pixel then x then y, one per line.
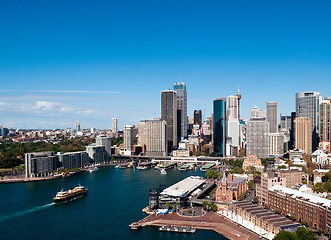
pixel 114 200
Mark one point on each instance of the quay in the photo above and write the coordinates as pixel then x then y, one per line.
pixel 207 167
pixel 145 165
pixel 177 229
pixel 209 221
pixel 167 166
pixel 186 166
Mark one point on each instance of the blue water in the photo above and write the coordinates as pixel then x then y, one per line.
pixel 115 200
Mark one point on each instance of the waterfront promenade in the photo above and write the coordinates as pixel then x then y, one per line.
pixel 209 221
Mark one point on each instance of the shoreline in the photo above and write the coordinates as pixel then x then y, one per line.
pixel 209 221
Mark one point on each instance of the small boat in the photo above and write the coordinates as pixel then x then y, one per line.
pixel 116 166
pixel 163 171
pixel 93 169
pixel 73 193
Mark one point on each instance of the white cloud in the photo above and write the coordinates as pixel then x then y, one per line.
pixel 85 112
pixel 46 106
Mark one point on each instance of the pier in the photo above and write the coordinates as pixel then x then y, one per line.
pixel 186 166
pixel 168 166
pixel 207 167
pixel 209 221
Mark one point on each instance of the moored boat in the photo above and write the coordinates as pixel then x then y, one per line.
pixel 93 169
pixel 76 192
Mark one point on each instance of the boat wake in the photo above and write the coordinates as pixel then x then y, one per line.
pixel 35 209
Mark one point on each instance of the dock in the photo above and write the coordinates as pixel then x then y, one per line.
pixel 186 166
pixel 207 167
pixel 123 165
pixel 172 228
pixel 145 165
pixel 167 166
pixel 210 221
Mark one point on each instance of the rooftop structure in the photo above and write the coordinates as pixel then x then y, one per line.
pixel 311 197
pixel 184 187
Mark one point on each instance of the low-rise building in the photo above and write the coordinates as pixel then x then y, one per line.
pixel 73 159
pixel 318 174
pixel 229 189
pixel 178 192
pixel 268 180
pixel 252 161
pixel 303 206
pixel 320 157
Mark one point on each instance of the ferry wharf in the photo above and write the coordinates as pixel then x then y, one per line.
pixel 209 221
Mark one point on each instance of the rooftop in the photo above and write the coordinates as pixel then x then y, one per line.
pixel 311 197
pixel 184 187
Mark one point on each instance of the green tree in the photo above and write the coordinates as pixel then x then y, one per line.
pixel 319 187
pixel 212 174
pixel 305 234
pixel 205 204
pixel 284 235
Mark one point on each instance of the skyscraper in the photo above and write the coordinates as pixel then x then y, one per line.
pixel 285 122
pixel 182 121
pixel 292 131
pixel 258 134
pixel 272 114
pixel 197 117
pixel 325 121
pixel 303 134
pixel 114 125
pixel 307 105
pixel 128 139
pixel 169 114
pixel 153 134
pixel 219 128
pixel 276 144
pixel 232 126
pixel 78 126
pixel 232 111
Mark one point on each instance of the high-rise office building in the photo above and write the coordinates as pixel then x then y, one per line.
pixel 258 134
pixel 276 144
pixel 232 111
pixel 303 134
pixel 197 117
pixel 114 125
pixel 272 115
pixel 307 105
pixel 285 122
pixel 257 113
pixel 152 133
pixel 292 131
pixel 232 129
pixel 219 121
pixel 128 139
pixel 78 129
pixel 105 142
pixel 182 121
pixel 325 121
pixel 169 114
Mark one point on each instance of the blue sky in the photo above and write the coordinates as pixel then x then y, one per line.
pixel 94 60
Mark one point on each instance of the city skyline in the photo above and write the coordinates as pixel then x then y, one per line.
pixel 97 61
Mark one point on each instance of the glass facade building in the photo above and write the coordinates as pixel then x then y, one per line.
pixel 219 119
